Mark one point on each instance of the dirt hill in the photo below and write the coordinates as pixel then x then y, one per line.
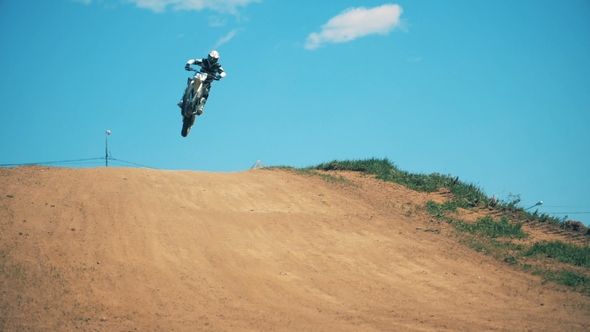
pixel 120 249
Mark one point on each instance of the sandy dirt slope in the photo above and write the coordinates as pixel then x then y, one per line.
pixel 119 249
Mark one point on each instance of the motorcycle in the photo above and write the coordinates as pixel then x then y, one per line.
pixel 193 100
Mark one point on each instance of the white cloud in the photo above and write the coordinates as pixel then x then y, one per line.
pixel 356 22
pixel 226 38
pixel 225 6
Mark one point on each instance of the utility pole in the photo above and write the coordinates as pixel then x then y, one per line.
pixel 107 148
pixel 538 204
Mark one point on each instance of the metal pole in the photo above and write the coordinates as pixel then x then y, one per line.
pixel 538 204
pixel 107 148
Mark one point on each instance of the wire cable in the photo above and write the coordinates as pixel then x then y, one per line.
pixel 567 206
pixel 130 163
pixel 50 162
pixel 87 161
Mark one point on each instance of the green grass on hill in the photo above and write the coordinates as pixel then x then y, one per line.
pixel 493 237
pixel 464 194
pixel 563 252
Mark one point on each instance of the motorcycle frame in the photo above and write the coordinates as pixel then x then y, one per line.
pixel 197 84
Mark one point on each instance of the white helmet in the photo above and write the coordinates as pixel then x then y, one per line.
pixel 213 57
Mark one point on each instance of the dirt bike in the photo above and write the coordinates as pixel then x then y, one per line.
pixel 193 100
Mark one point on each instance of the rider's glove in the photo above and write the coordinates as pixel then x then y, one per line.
pixel 222 75
pixel 188 64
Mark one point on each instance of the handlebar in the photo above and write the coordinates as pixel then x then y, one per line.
pixel 189 68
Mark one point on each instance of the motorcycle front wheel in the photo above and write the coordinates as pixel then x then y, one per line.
pixel 186 101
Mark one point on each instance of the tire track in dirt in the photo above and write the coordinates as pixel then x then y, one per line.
pixel 116 249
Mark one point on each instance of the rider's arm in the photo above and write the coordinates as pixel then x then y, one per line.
pixel 221 72
pixel 190 62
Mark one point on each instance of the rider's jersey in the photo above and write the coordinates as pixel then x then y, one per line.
pixel 211 69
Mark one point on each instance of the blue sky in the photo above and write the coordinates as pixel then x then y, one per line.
pixel 495 92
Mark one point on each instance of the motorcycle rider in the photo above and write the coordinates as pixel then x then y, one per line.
pixel 211 66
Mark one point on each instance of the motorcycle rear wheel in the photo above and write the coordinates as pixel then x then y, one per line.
pixel 187 124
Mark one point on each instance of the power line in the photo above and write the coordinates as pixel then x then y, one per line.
pixel 130 163
pixel 49 162
pixel 566 206
pixel 88 161
pixel 106 158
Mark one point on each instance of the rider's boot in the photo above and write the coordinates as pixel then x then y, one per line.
pixel 201 106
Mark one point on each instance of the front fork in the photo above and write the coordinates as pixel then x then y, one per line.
pixel 198 100
pixel 197 85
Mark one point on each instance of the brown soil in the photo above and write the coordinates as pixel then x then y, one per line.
pixel 119 249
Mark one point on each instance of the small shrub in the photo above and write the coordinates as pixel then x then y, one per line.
pixel 510 260
pixel 577 281
pixel 448 206
pixel 573 279
pixel 487 227
pixel 563 252
pixel 369 166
